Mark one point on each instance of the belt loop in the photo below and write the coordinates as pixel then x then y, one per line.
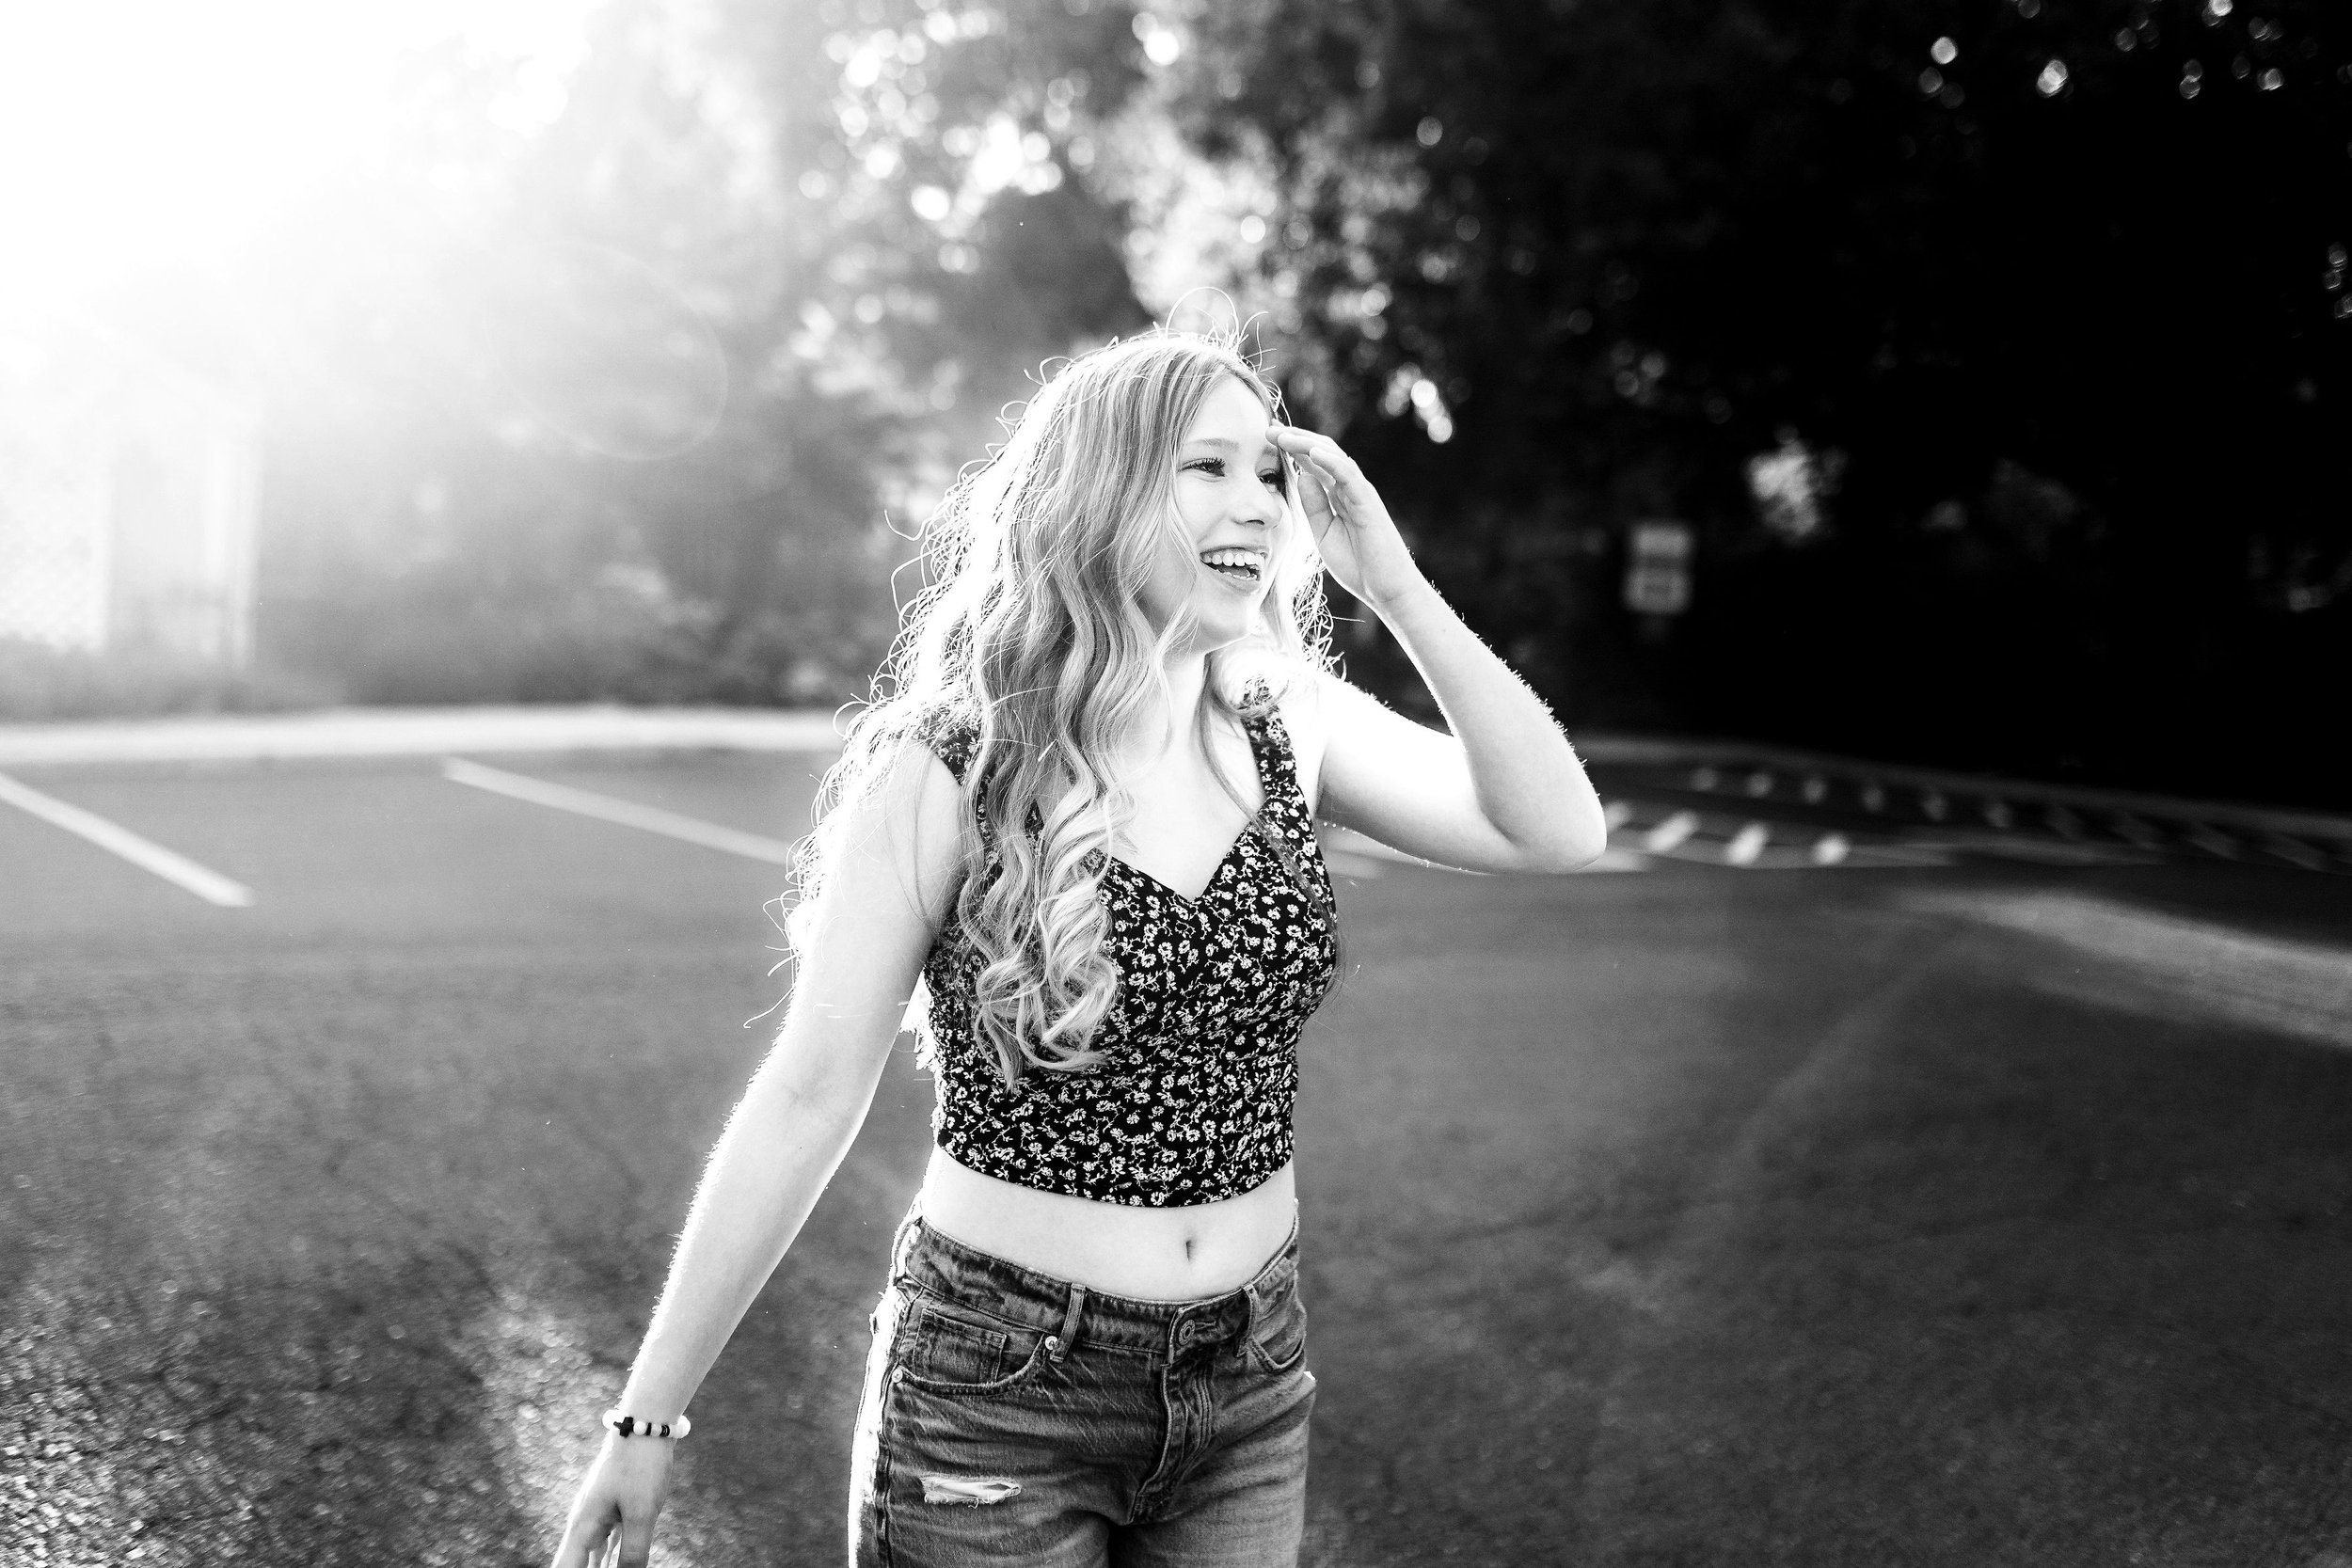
pixel 1248 1321
pixel 1057 1345
pixel 902 1243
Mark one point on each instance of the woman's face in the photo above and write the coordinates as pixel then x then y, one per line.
pixel 1231 497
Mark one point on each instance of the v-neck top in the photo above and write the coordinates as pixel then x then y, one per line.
pixel 1193 1098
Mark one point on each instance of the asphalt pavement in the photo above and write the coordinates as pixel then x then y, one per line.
pixel 1977 1194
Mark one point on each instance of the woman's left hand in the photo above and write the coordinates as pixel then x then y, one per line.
pixel 1354 534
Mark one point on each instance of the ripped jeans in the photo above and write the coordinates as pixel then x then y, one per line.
pixel 1013 1418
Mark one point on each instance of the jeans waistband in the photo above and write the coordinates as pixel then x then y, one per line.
pixel 1023 1298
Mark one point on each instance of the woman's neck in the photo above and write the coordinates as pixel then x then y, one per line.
pixel 1160 729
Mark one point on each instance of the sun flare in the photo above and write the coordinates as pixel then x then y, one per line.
pixel 143 136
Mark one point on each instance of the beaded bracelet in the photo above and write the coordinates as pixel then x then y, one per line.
pixel 629 1425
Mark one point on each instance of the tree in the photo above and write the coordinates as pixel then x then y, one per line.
pixel 2062 285
pixel 641 396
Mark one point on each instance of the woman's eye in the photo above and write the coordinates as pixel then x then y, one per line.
pixel 1274 477
pixel 1211 465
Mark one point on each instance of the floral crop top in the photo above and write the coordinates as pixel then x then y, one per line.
pixel 1192 1103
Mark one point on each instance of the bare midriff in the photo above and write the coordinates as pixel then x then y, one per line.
pixel 1173 1254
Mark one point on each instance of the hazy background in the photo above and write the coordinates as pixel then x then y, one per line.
pixel 1993 354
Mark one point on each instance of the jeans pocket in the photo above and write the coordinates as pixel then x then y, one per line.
pixel 948 1353
pixel 1281 1345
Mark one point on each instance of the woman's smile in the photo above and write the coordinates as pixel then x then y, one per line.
pixel 1241 568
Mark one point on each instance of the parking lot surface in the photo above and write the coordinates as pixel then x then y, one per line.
pixel 1975 1192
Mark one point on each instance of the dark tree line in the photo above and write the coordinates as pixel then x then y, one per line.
pixel 2034 310
pixel 2057 289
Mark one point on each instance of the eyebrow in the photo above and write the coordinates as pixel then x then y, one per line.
pixel 1224 442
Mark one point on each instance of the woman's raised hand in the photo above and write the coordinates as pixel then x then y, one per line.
pixel 1354 534
pixel 610 1523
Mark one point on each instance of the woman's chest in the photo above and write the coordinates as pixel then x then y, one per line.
pixel 1185 816
pixel 1255 944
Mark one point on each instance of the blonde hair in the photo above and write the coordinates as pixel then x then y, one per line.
pixel 1031 631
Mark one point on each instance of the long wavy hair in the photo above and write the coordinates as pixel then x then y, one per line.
pixel 1031 629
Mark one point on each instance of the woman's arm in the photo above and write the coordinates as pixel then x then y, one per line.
pixel 885 892
pixel 1503 792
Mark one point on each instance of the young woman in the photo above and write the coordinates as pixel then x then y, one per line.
pixel 1084 822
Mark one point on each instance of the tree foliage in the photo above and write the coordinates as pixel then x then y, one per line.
pixel 2057 285
pixel 1995 349
pixel 637 399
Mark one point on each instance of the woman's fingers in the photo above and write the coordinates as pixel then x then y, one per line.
pixel 583 1540
pixel 636 1542
pixel 1320 450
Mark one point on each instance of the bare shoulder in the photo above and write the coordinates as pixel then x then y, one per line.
pixel 901 826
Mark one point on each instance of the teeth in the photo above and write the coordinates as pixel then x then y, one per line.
pixel 1245 560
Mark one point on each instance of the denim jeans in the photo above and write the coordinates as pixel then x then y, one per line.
pixel 1013 1418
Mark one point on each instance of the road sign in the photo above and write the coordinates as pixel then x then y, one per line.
pixel 1658 572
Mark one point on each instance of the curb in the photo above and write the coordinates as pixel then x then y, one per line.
pixel 363 733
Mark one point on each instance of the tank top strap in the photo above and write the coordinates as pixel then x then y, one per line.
pixel 1262 717
pixel 951 734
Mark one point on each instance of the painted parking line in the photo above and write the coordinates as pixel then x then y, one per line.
pixel 2213 842
pixel 1942 819
pixel 1671 832
pixel 2295 852
pixel 626 814
pixel 114 839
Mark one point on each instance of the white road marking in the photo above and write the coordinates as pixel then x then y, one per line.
pixel 172 867
pixel 2066 823
pixel 1747 844
pixel 1932 802
pixel 1759 785
pixel 627 814
pixel 1670 833
pixel 1617 814
pixel 2213 842
pixel 2133 828
pixel 1873 798
pixel 2295 850
pixel 2165 966
pixel 1704 777
pixel 1831 850
pixel 1997 812
pixel 1816 787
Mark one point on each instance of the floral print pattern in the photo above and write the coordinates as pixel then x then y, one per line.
pixel 1192 1103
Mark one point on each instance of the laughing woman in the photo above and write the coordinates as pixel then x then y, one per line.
pixel 1084 822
